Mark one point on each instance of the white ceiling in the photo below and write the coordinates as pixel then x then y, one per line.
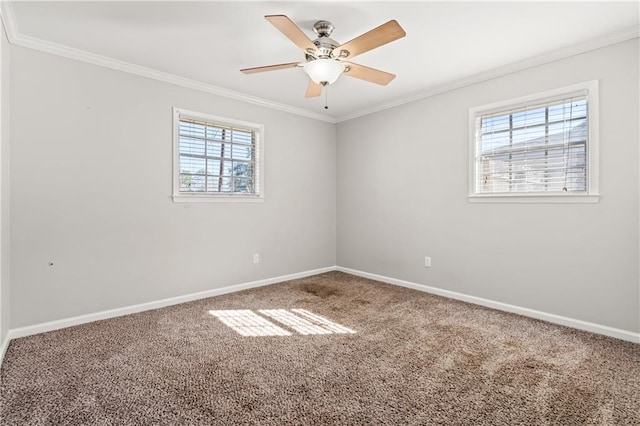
pixel 446 44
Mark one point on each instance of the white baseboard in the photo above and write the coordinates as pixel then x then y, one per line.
pixel 552 318
pixel 83 319
pixel 3 348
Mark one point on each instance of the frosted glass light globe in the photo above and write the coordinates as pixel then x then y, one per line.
pixel 324 70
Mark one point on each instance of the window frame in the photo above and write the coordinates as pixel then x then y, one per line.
pixel 208 197
pixel 592 195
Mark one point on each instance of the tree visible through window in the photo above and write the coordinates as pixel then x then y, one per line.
pixel 216 158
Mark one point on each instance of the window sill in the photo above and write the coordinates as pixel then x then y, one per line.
pixel 183 198
pixel 535 198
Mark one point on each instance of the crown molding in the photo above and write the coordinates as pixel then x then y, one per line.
pixel 555 55
pixel 9 21
pixel 18 39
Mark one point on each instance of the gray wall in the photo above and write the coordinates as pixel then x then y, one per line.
pixel 4 186
pixel 402 195
pixel 91 158
pixel 91 177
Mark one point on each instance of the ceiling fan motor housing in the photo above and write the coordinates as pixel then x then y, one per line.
pixel 324 43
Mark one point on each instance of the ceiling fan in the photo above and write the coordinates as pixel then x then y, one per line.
pixel 326 58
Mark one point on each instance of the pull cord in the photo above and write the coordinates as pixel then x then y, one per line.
pixel 326 94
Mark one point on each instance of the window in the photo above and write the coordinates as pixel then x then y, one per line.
pixel 537 148
pixel 216 159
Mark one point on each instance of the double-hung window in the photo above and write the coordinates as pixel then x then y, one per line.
pixel 536 149
pixel 216 158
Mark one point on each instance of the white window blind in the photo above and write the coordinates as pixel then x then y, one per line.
pixel 216 157
pixel 541 147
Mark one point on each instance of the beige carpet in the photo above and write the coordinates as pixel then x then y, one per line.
pixel 329 349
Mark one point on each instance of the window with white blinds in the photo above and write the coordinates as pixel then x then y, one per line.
pixel 542 146
pixel 216 158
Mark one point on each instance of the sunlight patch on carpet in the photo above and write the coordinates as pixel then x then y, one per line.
pixel 305 322
pixel 249 323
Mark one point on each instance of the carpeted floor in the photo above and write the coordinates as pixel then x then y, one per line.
pixel 263 356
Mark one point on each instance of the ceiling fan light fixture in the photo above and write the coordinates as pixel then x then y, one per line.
pixel 324 71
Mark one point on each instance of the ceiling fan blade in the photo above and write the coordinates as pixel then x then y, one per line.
pixel 385 33
pixel 369 74
pixel 270 68
pixel 292 31
pixel 313 90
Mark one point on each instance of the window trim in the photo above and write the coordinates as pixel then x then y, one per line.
pixel 593 174
pixel 183 197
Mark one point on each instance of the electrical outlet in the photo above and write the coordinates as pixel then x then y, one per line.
pixel 256 258
pixel 427 261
